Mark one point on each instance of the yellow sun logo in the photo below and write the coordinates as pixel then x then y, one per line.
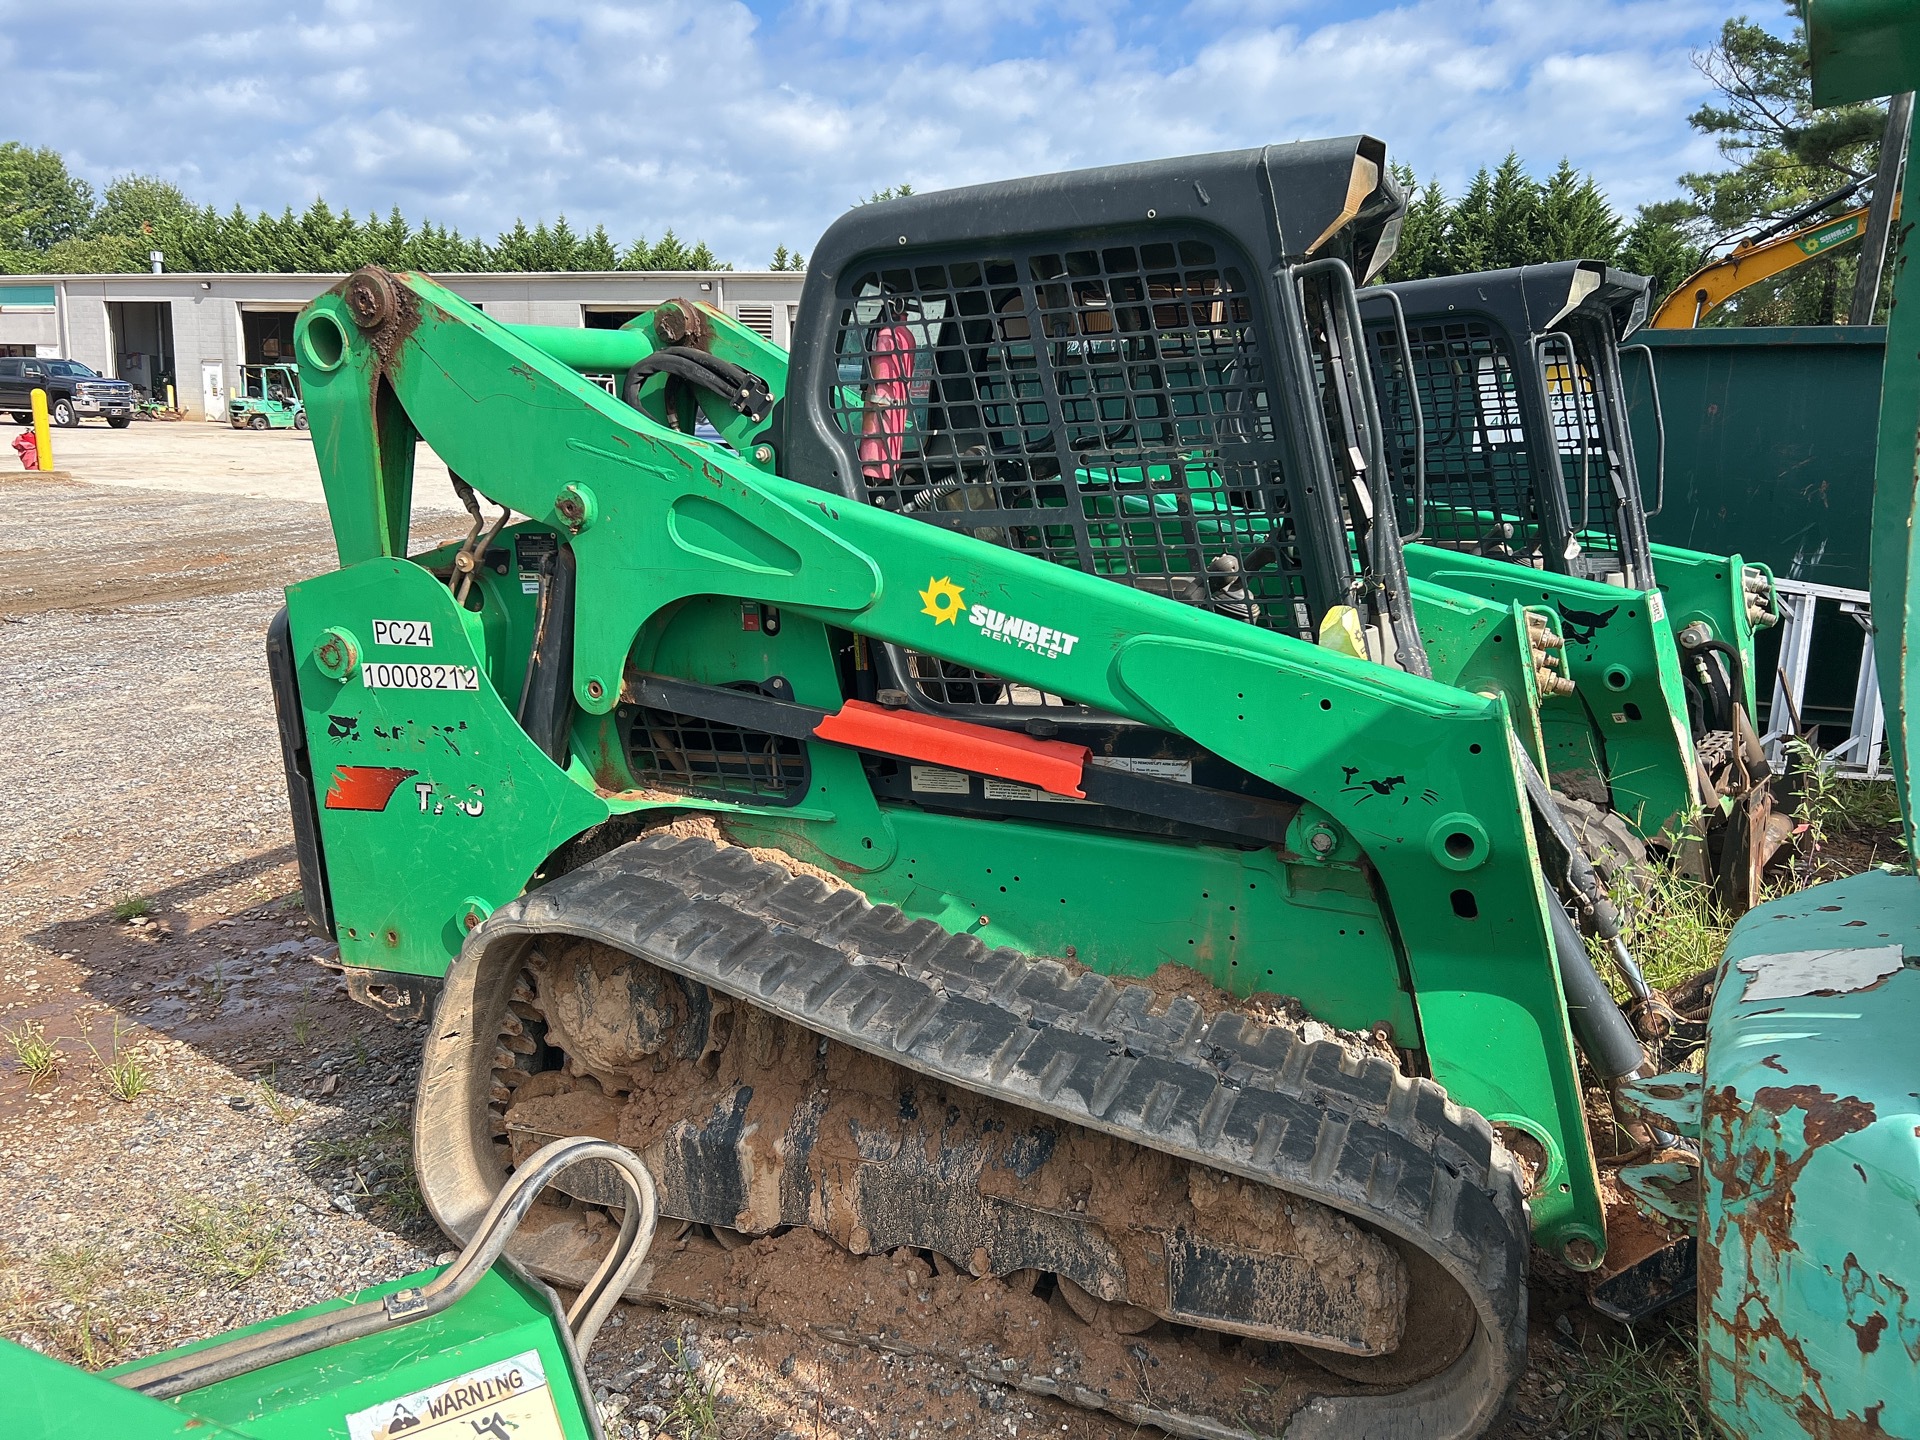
pixel 941 599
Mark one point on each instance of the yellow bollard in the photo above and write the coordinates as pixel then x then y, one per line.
pixel 42 434
pixel 170 405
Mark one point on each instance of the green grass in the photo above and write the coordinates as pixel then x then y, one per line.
pixel 73 1303
pixel 1675 928
pixel 1829 807
pixel 132 908
pixel 230 1242
pixel 384 1152
pixel 694 1413
pixel 280 1107
pixel 1624 1390
pixel 33 1052
pixel 122 1073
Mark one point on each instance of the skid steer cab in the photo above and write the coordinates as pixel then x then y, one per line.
pixel 1038 628
pixel 1518 479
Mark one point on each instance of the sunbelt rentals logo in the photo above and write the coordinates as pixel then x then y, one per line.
pixel 946 603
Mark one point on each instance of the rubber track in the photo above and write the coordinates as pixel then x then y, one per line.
pixel 1317 1118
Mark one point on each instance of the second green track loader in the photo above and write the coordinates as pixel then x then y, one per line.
pixel 1516 469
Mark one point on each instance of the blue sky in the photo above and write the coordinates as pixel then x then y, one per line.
pixel 754 124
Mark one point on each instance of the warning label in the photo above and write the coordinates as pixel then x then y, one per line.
pixel 932 780
pixel 508 1400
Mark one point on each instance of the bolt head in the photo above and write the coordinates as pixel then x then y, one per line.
pixel 336 654
pixel 370 298
pixel 595 689
pixel 1323 842
pixel 1580 1253
pixel 762 453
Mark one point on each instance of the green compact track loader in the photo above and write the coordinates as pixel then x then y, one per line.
pixel 995 805
pixel 1507 430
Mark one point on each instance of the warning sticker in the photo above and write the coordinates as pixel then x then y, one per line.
pixel 932 780
pixel 1181 770
pixel 1009 790
pixel 508 1400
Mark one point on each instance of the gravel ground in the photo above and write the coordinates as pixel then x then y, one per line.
pixel 222 1136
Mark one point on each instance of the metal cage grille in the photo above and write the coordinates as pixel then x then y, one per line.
pixel 1480 493
pixel 1108 409
pixel 684 752
pixel 1574 374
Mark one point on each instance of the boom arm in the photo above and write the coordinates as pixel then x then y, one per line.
pixel 1714 284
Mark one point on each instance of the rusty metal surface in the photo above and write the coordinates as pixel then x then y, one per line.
pixel 1809 1260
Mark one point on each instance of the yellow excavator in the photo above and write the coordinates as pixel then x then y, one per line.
pixel 1762 256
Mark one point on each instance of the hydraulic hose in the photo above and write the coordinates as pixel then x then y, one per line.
pixel 741 389
pixel 1601 1030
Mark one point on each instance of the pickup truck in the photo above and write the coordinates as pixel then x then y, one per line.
pixel 73 392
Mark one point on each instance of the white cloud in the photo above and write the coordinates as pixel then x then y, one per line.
pixel 752 130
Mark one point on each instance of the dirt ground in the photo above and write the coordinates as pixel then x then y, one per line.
pixel 220 1135
pixel 209 458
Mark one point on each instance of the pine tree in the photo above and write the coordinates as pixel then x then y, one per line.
pixel 1514 217
pixel 1575 220
pixel 1469 242
pixel 1785 154
pixel 513 250
pixel 1422 231
pixel 597 252
pixel 670 254
pixel 1659 246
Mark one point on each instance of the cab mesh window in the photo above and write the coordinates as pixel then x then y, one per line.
pixel 1583 436
pixel 1110 409
pixel 1480 484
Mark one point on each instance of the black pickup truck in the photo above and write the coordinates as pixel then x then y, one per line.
pixel 73 392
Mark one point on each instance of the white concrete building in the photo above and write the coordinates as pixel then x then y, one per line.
pixel 195 331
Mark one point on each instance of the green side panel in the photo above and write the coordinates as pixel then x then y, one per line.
pixel 50 1401
pixel 1810 1240
pixel 1896 479
pixel 1120 904
pixel 1708 589
pixel 27 297
pixel 1625 726
pixel 1769 443
pixel 309 1398
pixel 1481 645
pixel 1126 905
pixel 433 802
pixel 1861 49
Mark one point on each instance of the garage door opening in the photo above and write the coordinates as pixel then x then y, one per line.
pixel 267 335
pixel 610 317
pixel 141 336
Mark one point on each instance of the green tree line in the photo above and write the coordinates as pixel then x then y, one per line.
pixel 51 222
pixel 1506 217
pixel 1781 153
